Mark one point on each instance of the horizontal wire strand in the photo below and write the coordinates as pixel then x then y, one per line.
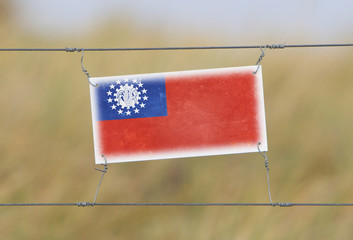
pixel 85 204
pixel 273 46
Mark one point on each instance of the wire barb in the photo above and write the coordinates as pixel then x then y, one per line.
pixel 276 46
pixel 283 204
pixel 67 49
pixel 85 204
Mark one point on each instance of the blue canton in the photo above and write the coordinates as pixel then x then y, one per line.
pixel 132 97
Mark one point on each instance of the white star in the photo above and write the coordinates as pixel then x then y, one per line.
pixel 126 79
pixel 118 81
pixel 142 105
pixel 112 86
pixel 134 81
pixel 144 91
pixel 136 110
pixel 128 113
pixel 109 93
pixel 113 107
pixel 120 111
pixel 110 100
pixel 145 98
pixel 140 84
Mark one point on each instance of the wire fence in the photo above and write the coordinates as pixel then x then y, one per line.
pixel 94 203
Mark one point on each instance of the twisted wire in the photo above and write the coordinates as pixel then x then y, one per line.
pixel 270 46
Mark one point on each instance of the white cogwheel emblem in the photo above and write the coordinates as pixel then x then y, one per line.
pixel 127 96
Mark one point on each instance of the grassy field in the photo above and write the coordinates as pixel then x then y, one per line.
pixel 46 146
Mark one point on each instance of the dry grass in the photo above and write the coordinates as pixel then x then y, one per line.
pixel 46 147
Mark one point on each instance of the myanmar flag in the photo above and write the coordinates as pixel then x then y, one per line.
pixel 178 114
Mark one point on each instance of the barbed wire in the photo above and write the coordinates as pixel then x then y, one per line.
pixel 267 46
pixel 89 204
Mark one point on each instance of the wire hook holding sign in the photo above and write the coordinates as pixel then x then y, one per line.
pixel 85 70
pixel 103 172
pixel 273 46
pixel 263 154
pixel 260 58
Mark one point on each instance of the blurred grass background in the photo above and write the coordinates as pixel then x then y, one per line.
pixel 46 145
